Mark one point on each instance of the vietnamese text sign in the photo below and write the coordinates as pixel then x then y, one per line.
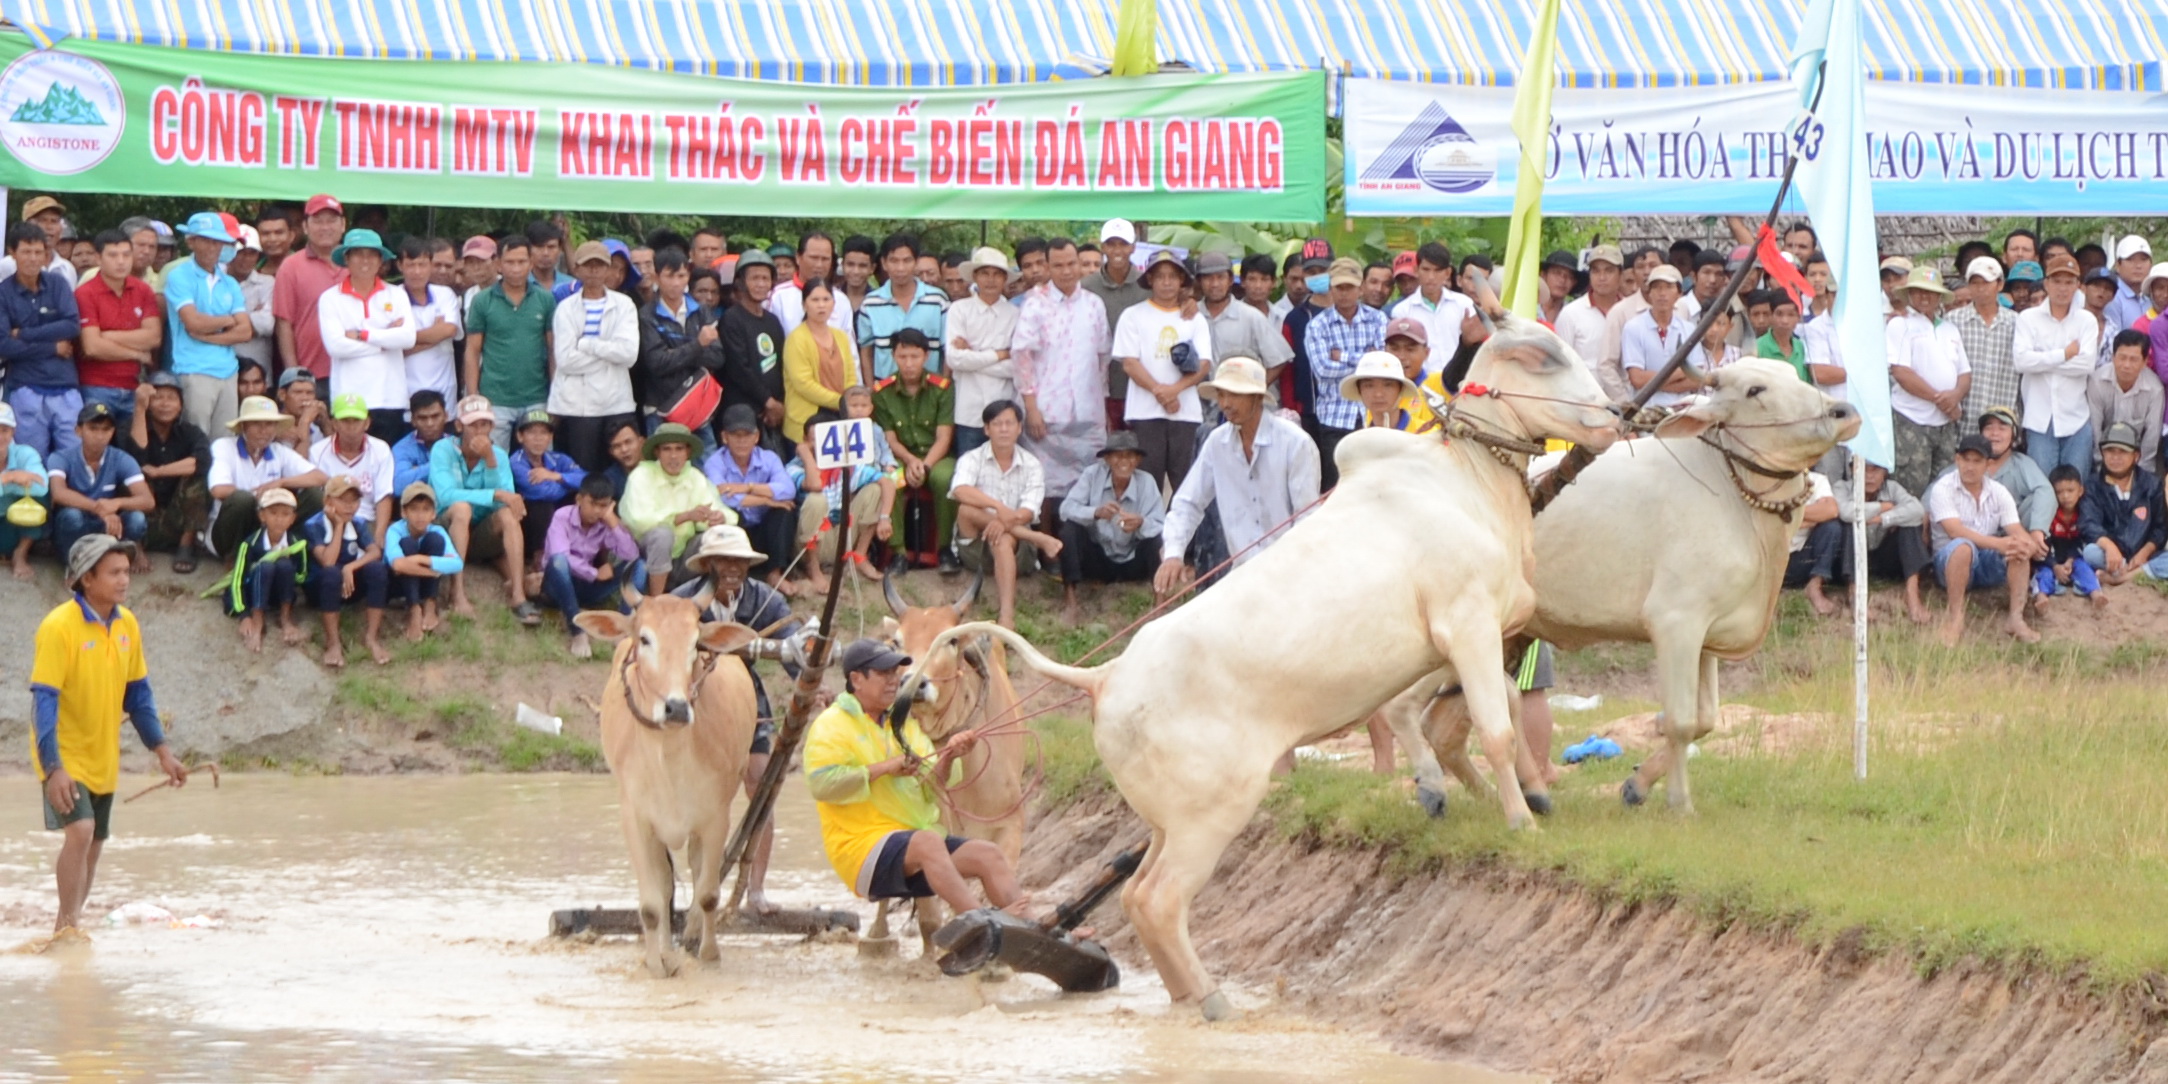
pixel 1427 149
pixel 93 116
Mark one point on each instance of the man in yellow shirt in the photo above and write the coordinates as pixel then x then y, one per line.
pixel 89 669
pixel 879 823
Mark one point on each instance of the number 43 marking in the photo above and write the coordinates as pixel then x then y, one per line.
pixel 1807 138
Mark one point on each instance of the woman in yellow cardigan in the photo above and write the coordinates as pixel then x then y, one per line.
pixel 818 363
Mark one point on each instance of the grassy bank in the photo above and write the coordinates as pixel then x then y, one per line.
pixel 2014 809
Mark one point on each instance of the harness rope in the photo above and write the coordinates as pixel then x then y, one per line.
pixel 625 674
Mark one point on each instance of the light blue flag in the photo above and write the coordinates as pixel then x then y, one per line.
pixel 1833 182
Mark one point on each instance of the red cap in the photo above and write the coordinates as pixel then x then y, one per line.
pixel 1408 328
pixel 233 225
pixel 324 201
pixel 1404 264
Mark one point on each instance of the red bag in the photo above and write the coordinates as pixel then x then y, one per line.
pixel 696 403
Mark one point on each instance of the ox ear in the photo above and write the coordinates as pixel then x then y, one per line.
pixel 724 637
pixel 1688 423
pixel 604 625
pixel 890 629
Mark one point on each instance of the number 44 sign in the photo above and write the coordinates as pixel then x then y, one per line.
pixel 845 443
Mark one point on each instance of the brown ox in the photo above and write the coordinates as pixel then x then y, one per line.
pixel 675 728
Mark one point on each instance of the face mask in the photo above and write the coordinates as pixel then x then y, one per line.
pixel 1318 284
pixel 226 253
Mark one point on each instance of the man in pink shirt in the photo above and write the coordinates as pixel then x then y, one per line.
pixel 302 278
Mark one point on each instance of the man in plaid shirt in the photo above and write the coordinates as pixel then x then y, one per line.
pixel 1985 327
pixel 1335 340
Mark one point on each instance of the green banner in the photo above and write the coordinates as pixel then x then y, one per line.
pixel 100 117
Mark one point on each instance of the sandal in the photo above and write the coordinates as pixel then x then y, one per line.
pixel 528 613
pixel 184 565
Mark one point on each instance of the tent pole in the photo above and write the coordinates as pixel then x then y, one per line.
pixel 1859 617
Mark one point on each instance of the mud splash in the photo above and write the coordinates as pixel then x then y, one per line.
pixel 1501 968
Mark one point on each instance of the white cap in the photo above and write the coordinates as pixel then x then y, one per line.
pixel 7 415
pixel 1984 267
pixel 1118 229
pixel 2132 245
pixel 249 240
pixel 1662 272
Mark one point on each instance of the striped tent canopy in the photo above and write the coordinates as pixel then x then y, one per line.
pixel 2096 44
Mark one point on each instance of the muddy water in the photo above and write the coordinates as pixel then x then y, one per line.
pixel 393 929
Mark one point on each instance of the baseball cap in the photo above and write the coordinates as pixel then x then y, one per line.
pixel 1214 263
pixel 1897 264
pixel 92 412
pixel 2132 245
pixel 350 406
pixel 1404 264
pixel 1316 254
pixel 338 484
pixel 537 416
pixel 476 408
pixel 2098 274
pixel 1609 254
pixel 2002 414
pixel 2121 434
pixel 1408 328
pixel 2062 263
pixel 40 205
pixel 294 376
pixel 2025 271
pixel 590 252
pixel 207 225
pixel 1977 445
pixel 1561 258
pixel 324 202
pixel 416 491
pixel 1118 229
pixel 1663 272
pixel 739 418
pixel 164 232
pixel 249 239
pixel 863 655
pixel 7 415
pixel 479 246
pixel 276 497
pixel 1984 267
pixel 1346 272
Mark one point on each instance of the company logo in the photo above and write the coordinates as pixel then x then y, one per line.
pixel 1437 151
pixel 60 113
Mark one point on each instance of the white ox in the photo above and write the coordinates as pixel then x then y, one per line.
pixel 1419 561
pixel 1657 542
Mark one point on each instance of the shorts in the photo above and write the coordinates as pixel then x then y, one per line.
pixel 88 806
pixel 1534 672
pixel 763 737
pixel 888 881
pixel 1989 569
pixel 976 556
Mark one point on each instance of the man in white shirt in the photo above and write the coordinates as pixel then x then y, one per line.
pixel 1930 376
pixel 367 329
pixel 1441 310
pixel 998 488
pixel 1633 301
pixel 980 327
pixel 248 463
pixel 1258 471
pixel 256 286
pixel 1648 340
pixel 1817 545
pixel 1977 536
pixel 439 318
pixel 2054 351
pixel 1581 324
pixel 1165 355
pixel 816 260
pixel 352 453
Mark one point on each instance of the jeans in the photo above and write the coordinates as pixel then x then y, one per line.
pixel 507 420
pixel 570 594
pixel 2081 578
pixel 45 419
pixel 1989 568
pixel 585 438
pixel 121 400
pixel 265 586
pixel 2092 554
pixel 419 589
pixel 70 524
pixel 1821 556
pixel 2075 449
pixel 372 584
pixel 968 437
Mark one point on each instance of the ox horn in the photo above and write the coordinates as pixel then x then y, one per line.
pixel 890 591
pixel 970 595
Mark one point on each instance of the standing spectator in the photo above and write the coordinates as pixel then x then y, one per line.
pixel 1119 288
pixel 1238 330
pixel 916 410
pixel 207 318
pixel 2120 519
pixel 1927 364
pixel 597 337
pixel 2024 285
pixel 1295 277
pixel 1093 260
pixel 276 229
pixel 587 557
pixel 97 488
pixel 367 328
pixel 1378 284
pixel 1779 343
pixel 709 245
pixel 174 456
pixel 2099 285
pixel 477 269
pixel 50 217
pixel 2020 246
pixel 818 363
pixel 1259 276
pixel 121 329
pixel 438 315
pixel 347 566
pixel 1335 340
pixel 2133 259
pixel 857 269
pixel 1166 354
pixel 998 490
pixel 257 286
pixel 1634 301
pixel 752 345
pixel 22 477
pixel 544 478
pixel 816 263
pixel 980 329
pixel 1561 279
pixel 1258 470
pixel 507 357
pixel 471 482
pixel 1986 331
pixel 681 359
pixel 754 485
pixel 667 501
pixel 902 302
pixel 954 281
pixel 1030 265
pixel 2126 390
pixel 38 327
pixel 1896 544
pixel 302 279
pixel 250 463
pixel 1581 324
pixel 1705 280
pixel 2054 351
pixel 363 459
pixel 1061 333
pixel 547 240
pixel 1111 520
pixel 1649 339
pixel 1298 392
pixel 1977 536
pixel 1441 309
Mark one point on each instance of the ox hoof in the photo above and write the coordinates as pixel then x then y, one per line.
pixel 1539 804
pixel 1432 800
pixel 1630 792
pixel 660 968
pixel 876 948
pixel 1216 1007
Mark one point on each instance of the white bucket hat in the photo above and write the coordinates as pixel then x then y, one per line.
pixel 1375 365
pixel 986 256
pixel 724 540
pixel 1239 376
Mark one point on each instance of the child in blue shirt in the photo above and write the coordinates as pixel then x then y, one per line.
pixel 419 553
pixel 873 495
pixel 547 480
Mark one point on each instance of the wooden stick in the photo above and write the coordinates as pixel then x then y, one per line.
pixel 212 768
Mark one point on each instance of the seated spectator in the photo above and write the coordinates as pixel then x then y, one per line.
pixel 1896 538
pixel 544 478
pixel 471 482
pixel 175 456
pixel 2127 390
pixel 298 400
pixel 348 565
pixel 249 463
pixel 2066 564
pixel 22 477
pixel 873 500
pixel 998 488
pixel 1976 534
pixel 626 444
pixel 269 567
pixel 667 502
pixel 122 326
pixel 97 488
pixel 1381 388
pixel 1817 544
pixel 249 381
pixel 1110 522
pixel 364 459
pixel 410 456
pixel 419 554
pixel 2121 517
pixel 38 328
pixel 754 484
pixel 917 412
pixel 588 556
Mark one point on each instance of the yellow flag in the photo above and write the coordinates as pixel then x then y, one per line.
pixel 1136 26
pixel 1531 126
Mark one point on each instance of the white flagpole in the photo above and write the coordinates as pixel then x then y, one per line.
pixel 1859 617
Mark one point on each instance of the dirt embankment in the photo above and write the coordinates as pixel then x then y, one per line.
pixel 1524 973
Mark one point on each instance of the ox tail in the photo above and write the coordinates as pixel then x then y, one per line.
pixel 1087 678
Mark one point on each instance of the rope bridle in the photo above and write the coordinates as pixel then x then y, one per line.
pixel 1502 446
pixel 1759 499
pixel 625 674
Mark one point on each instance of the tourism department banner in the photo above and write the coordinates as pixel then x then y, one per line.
pixel 1431 149
pixel 101 117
